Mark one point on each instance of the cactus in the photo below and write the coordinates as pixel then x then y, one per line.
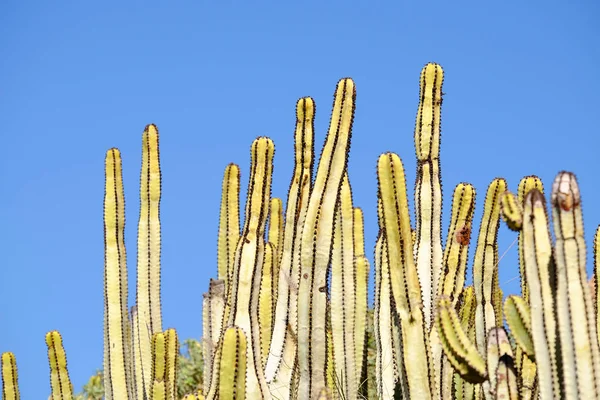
pixel 10 385
pixel 287 316
pixel 62 389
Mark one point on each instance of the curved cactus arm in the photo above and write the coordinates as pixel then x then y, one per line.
pixel 148 314
pixel 498 346
pixel 317 240
pixel 62 389
pixel 428 187
pixel 575 309
pixel 10 384
pixel 526 185
pixel 518 318
pixel 229 224
pixel 249 262
pixel 343 291
pixel 265 301
pixel 461 352
pixel 511 210
pixel 506 380
pixel 539 274
pixel 213 314
pixel 283 351
pixel 407 296
pixel 116 344
pixel 485 264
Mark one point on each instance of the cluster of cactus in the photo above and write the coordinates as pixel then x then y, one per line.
pixel 287 316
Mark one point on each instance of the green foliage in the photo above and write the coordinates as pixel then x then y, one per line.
pixel 191 366
pixel 94 389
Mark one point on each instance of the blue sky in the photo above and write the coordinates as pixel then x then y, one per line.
pixel 77 78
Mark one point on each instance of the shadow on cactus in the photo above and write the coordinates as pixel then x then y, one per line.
pixel 287 316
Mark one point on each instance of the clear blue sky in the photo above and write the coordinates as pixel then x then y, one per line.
pixel 76 78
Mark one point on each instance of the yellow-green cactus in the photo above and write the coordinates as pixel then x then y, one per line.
pixel 406 289
pixel 538 266
pixel 575 309
pixel 428 187
pixel 229 224
pixel 512 211
pixel 485 264
pixel 148 313
pixel 62 389
pixel 316 244
pixel 343 291
pixel 518 317
pixel 249 261
pixel 282 360
pixel 362 293
pixel 230 374
pixel 388 366
pixel 10 385
pixel 526 184
pixel 457 243
pixel 265 301
pixel 275 236
pixel 117 379
pixel 459 349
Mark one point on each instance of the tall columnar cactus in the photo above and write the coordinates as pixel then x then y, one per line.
pixel 406 291
pixel 316 242
pixel 247 268
pixel 282 360
pixel 148 315
pixel 117 379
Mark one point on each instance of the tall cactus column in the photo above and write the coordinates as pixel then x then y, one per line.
pixel 428 193
pixel 574 306
pixel 316 244
pixel 248 264
pixel 148 316
pixel 283 352
pixel 406 290
pixel 117 382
